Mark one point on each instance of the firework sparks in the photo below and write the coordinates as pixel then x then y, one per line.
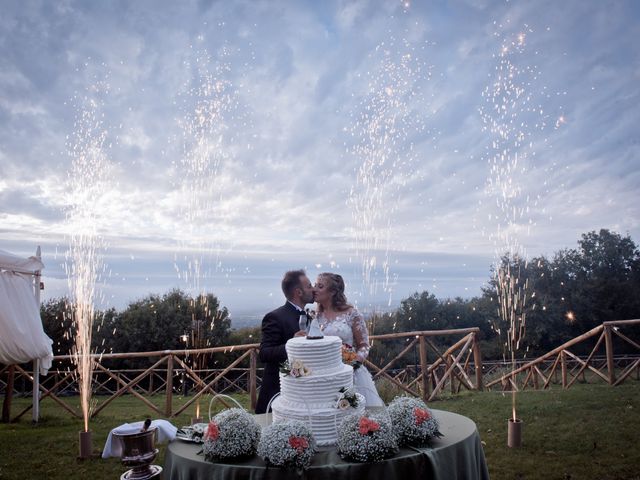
pixel 88 182
pixel 512 117
pixel 382 126
pixel 209 105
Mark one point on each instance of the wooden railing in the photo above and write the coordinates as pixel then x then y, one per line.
pixel 539 373
pixel 169 367
pixel 410 362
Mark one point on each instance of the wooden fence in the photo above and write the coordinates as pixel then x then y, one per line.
pixel 423 364
pixel 539 373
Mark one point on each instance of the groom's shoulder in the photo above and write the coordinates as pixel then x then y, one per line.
pixel 278 312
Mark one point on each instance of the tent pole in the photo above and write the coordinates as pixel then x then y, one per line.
pixel 36 362
pixel 36 391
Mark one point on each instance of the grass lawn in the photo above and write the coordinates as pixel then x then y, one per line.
pixel 586 432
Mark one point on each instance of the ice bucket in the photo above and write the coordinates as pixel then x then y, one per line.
pixel 138 451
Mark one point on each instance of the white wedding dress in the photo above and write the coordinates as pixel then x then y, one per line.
pixel 352 329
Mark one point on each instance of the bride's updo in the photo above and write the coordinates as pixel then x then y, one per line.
pixel 335 284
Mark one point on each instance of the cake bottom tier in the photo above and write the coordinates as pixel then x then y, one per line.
pixel 324 422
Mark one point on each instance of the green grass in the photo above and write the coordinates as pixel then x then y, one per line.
pixel 50 448
pixel 586 432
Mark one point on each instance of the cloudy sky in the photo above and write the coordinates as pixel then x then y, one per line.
pixel 213 145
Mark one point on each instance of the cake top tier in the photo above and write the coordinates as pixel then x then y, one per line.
pixel 318 355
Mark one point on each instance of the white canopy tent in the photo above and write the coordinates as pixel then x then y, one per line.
pixel 22 338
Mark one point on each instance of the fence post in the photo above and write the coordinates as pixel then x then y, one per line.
pixel 609 348
pixel 252 378
pixel 451 374
pixel 477 360
pixel 424 367
pixel 8 394
pixel 169 387
pixel 563 363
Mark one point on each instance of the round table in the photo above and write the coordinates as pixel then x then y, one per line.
pixel 457 455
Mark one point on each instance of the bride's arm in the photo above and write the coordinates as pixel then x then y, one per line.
pixel 360 336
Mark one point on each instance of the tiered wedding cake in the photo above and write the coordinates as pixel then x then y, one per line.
pixel 313 395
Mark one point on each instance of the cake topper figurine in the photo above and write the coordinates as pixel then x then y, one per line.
pixel 314 330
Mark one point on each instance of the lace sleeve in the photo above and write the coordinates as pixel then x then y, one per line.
pixel 360 335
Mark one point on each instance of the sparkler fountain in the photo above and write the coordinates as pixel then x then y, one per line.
pixel 511 116
pixel 88 180
pixel 381 128
pixel 208 104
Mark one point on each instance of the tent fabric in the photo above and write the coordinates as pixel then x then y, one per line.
pixel 8 261
pixel 22 337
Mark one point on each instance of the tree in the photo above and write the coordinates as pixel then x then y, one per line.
pixel 160 322
pixel 56 321
pixel 604 272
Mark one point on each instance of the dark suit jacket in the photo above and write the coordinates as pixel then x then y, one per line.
pixel 278 326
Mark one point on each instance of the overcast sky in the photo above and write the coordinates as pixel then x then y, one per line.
pixel 400 144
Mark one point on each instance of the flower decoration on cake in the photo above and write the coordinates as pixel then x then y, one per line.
pixel 412 421
pixel 288 444
pixel 296 369
pixel 232 433
pixel 366 438
pixel 347 398
pixel 349 356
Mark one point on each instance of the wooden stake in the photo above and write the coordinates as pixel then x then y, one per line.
pixel 8 394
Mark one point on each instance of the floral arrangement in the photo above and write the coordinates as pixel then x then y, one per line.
pixel 366 438
pixel 349 356
pixel 296 369
pixel 231 433
pixel 287 444
pixel 412 421
pixel 347 398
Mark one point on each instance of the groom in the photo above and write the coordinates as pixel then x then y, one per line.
pixel 279 326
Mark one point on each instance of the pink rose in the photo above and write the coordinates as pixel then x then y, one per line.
pixel 421 415
pixel 212 431
pixel 299 443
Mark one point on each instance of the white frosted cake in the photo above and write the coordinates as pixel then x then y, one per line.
pixel 313 396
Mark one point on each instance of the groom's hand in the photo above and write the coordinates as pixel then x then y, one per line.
pixel 300 333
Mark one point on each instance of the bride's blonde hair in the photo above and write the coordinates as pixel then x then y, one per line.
pixel 335 284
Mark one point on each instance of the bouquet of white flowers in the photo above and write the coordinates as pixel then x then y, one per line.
pixel 287 444
pixel 347 398
pixel 296 369
pixel 412 421
pixel 366 438
pixel 231 433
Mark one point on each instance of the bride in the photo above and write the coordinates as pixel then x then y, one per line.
pixel 336 317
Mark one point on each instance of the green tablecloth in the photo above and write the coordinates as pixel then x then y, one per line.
pixel 458 455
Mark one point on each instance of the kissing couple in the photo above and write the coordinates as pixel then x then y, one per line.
pixel 335 316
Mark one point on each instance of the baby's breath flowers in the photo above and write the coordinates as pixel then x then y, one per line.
pixel 366 438
pixel 287 444
pixel 231 433
pixel 412 421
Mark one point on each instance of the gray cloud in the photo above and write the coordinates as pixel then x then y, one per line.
pixel 302 75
